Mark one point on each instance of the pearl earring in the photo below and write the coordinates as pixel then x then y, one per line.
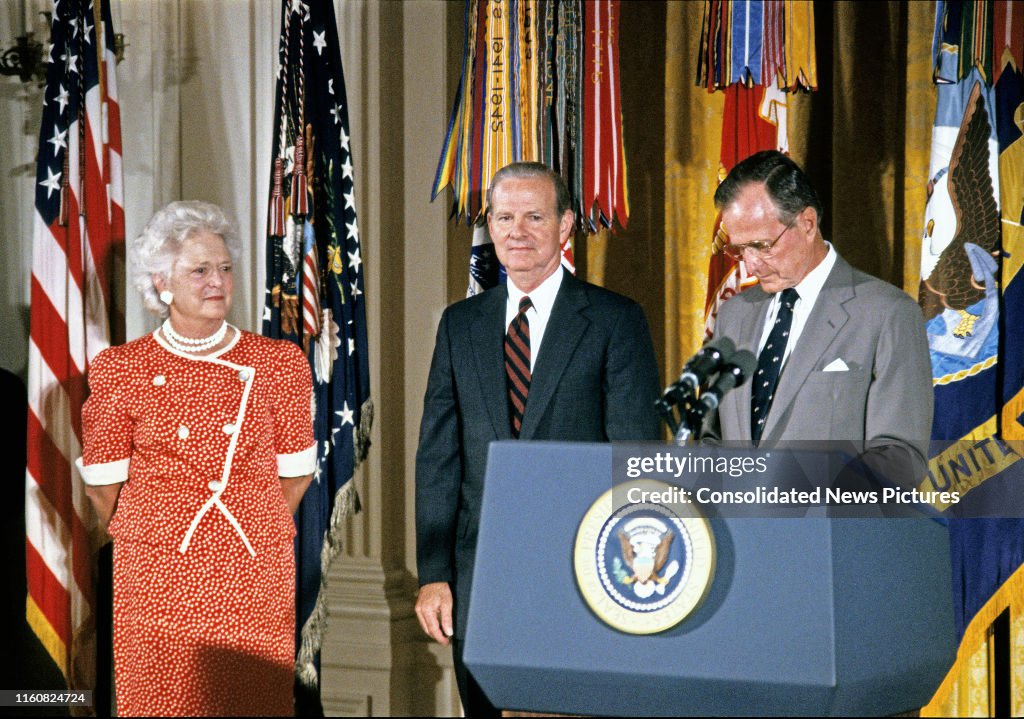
pixel 167 297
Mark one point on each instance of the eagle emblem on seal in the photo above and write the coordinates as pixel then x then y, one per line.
pixel 645 544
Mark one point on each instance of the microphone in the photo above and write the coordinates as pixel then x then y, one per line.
pixel 733 373
pixel 700 367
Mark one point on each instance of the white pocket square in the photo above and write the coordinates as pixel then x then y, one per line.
pixel 836 365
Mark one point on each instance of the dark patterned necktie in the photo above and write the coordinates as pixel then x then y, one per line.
pixel 769 364
pixel 517 364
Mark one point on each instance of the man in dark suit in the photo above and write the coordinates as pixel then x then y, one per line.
pixel 544 357
pixel 841 355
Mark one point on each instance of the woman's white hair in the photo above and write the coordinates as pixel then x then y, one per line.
pixel 155 250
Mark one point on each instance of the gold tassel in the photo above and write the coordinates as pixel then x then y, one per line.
pixel 300 205
pixel 277 224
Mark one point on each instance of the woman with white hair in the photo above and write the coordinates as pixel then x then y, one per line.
pixel 198 446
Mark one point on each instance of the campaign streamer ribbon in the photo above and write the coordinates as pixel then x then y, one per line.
pixel 801 61
pixel 603 161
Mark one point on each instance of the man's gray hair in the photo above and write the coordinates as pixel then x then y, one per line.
pixel 521 170
pixel 156 249
pixel 787 185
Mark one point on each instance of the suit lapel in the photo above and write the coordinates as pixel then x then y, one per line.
pixel 750 330
pixel 565 329
pixel 487 338
pixel 825 322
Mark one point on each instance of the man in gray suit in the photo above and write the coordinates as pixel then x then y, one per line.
pixel 841 355
pixel 544 357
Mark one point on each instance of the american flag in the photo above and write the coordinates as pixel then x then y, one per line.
pixel 316 248
pixel 77 311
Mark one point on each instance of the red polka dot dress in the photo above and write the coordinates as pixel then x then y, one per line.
pixel 204 570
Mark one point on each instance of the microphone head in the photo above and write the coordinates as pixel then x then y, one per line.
pixel 732 374
pixel 742 364
pixel 723 344
pixel 708 358
pixel 700 367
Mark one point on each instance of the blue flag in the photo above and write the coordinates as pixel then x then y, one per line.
pixel 966 261
pixel 314 297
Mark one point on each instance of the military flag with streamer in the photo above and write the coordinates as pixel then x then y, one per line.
pixel 755 52
pixel 77 311
pixel 540 82
pixel 971 295
pixel 314 296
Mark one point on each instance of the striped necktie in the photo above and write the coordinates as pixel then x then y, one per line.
pixel 769 364
pixel 517 364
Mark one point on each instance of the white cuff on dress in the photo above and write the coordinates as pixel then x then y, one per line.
pixel 105 473
pixel 297 464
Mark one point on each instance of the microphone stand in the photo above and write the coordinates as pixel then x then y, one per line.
pixel 681 429
pixel 683 434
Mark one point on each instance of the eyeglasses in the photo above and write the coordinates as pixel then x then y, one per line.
pixel 758 248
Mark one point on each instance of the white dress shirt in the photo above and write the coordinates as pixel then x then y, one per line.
pixel 543 299
pixel 808 288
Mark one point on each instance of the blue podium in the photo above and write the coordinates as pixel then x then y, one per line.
pixel 804 616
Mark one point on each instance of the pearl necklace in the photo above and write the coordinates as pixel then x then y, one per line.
pixel 190 345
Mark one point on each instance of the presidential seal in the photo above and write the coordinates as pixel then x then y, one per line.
pixel 643 566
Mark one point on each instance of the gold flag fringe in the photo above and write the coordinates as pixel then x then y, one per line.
pixel 966 690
